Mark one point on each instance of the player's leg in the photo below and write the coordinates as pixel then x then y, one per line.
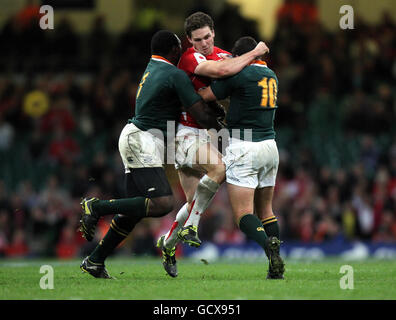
pixel 186 143
pixel 263 208
pixel 208 160
pixel 263 205
pixel 160 203
pixel 242 204
pixel 141 155
pixel 157 201
pixel 120 227
pixel 189 180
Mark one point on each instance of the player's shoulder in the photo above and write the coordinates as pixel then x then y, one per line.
pixel 218 50
pixel 218 54
pixel 271 72
pixel 191 56
pixel 162 67
pixel 177 74
pixel 260 66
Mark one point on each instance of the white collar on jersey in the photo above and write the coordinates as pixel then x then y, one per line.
pixel 259 65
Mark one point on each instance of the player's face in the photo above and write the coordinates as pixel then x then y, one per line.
pixel 203 40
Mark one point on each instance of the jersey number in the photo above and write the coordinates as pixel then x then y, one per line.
pixel 141 84
pixel 268 96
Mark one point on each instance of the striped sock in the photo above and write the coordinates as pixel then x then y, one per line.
pixel 120 228
pixel 271 226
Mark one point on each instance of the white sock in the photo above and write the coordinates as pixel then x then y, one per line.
pixel 171 238
pixel 203 196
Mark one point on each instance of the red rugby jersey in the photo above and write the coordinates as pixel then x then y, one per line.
pixel 189 60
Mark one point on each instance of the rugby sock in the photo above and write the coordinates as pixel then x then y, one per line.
pixel 171 238
pixel 204 194
pixel 251 225
pixel 131 207
pixel 271 226
pixel 119 229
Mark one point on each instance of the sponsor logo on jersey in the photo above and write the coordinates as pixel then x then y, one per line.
pixel 223 55
pixel 199 57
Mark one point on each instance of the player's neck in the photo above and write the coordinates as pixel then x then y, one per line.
pixel 258 61
pixel 164 59
pixel 208 54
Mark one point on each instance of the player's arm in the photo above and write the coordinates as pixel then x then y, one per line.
pixel 204 115
pixel 220 89
pixel 216 107
pixel 229 67
pixel 193 102
pixel 207 94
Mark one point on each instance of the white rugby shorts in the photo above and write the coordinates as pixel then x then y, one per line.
pixel 188 141
pixel 140 149
pixel 251 164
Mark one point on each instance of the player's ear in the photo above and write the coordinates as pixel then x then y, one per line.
pixel 176 53
pixel 176 50
pixel 189 40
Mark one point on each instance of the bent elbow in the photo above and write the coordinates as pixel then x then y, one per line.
pixel 223 72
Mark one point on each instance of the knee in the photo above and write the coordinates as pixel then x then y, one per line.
pixel 161 206
pixel 217 173
pixel 167 205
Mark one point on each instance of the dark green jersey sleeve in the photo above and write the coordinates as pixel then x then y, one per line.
pixel 222 88
pixel 185 89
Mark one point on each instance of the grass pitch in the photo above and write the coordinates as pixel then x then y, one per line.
pixel 145 279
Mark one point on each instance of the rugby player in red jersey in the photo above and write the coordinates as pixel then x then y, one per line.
pixel 198 162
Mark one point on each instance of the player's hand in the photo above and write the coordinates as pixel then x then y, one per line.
pixel 261 48
pixel 218 109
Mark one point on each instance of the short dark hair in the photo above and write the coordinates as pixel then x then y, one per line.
pixel 163 41
pixel 196 21
pixel 243 45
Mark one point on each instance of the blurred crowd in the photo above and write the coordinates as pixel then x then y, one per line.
pixel 64 98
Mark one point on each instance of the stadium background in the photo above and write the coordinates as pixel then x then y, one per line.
pixel 66 93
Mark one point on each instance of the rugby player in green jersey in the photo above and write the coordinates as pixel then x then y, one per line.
pixel 162 91
pixel 252 157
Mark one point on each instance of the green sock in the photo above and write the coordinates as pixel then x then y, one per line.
pixel 106 246
pixel 131 207
pixel 253 228
pixel 271 226
pixel 120 228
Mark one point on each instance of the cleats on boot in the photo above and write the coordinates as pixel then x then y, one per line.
pixel 189 235
pixel 88 219
pixel 276 265
pixel 168 258
pixel 97 270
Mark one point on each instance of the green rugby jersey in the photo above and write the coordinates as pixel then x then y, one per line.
pixel 253 94
pixel 162 91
